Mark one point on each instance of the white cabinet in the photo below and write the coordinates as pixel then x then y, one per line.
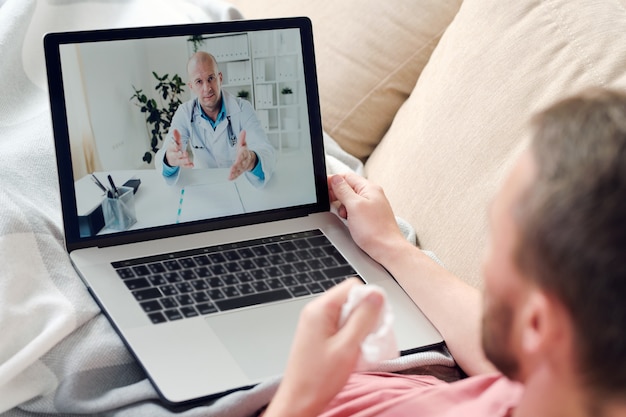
pixel 267 65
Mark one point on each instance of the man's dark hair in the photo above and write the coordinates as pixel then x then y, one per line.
pixel 572 224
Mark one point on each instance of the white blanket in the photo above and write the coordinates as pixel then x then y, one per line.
pixel 58 353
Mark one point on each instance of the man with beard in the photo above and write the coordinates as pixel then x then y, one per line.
pixel 220 130
pixel 553 311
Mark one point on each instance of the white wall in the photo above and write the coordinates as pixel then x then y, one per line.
pixel 110 69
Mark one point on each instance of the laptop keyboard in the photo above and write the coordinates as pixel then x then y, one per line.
pixel 225 277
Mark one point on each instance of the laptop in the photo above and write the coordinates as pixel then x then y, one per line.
pixel 203 278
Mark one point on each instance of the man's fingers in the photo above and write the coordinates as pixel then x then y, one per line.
pixel 242 138
pixel 362 320
pixel 244 158
pixel 332 300
pixel 342 211
pixel 356 182
pixel 177 137
pixel 235 171
pixel 341 189
pixel 185 161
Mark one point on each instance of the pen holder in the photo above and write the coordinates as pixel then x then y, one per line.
pixel 119 213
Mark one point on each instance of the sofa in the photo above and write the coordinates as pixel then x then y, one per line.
pixel 431 98
pixel 434 96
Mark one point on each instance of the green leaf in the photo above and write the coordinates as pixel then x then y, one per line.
pixel 158 119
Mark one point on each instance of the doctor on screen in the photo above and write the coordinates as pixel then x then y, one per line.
pixel 222 130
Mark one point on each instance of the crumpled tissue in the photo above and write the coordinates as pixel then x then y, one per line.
pixel 380 344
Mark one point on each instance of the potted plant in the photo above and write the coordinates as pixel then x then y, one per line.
pixel 244 94
pixel 197 41
pixel 287 94
pixel 159 114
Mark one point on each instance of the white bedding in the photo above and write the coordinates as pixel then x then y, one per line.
pixel 58 354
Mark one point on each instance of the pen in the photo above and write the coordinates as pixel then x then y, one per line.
pixel 98 183
pixel 113 187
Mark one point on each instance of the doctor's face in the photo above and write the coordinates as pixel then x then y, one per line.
pixel 206 82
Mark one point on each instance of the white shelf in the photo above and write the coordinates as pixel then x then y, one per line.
pixel 263 63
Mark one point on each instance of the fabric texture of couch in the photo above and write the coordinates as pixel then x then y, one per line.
pixel 438 131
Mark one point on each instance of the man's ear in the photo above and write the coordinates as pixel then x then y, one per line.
pixel 534 322
pixel 544 323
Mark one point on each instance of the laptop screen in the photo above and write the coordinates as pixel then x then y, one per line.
pixel 168 130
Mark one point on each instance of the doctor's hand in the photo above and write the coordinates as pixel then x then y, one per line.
pixel 371 221
pixel 323 355
pixel 245 159
pixel 175 155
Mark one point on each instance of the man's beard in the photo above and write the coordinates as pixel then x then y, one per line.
pixel 496 335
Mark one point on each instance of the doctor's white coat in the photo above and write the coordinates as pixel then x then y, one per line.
pixel 214 148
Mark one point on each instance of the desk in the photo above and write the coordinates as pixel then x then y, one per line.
pixel 157 204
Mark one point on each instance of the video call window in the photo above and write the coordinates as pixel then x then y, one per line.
pixel 262 85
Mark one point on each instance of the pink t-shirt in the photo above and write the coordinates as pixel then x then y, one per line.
pixel 384 394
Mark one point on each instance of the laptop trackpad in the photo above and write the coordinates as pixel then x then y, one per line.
pixel 259 338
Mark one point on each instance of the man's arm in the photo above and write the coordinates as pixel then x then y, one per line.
pixel 323 355
pixel 453 306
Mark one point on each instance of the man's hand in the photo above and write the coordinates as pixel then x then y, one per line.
pixel 245 160
pixel 370 218
pixel 175 155
pixel 323 355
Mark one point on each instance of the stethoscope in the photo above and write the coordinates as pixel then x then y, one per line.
pixel 232 138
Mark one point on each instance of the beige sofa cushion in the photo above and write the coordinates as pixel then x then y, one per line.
pixel 369 56
pixel 466 119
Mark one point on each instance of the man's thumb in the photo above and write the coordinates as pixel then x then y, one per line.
pixel 340 187
pixel 242 138
pixel 363 319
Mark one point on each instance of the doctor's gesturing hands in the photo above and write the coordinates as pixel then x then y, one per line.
pixel 177 156
pixel 215 129
pixel 245 160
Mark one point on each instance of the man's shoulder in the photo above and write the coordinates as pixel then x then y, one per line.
pixel 184 110
pixel 187 105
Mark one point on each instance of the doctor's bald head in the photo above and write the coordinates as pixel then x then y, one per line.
pixel 205 81
pixel 201 58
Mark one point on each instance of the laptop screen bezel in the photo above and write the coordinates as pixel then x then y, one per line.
pixel 52 45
